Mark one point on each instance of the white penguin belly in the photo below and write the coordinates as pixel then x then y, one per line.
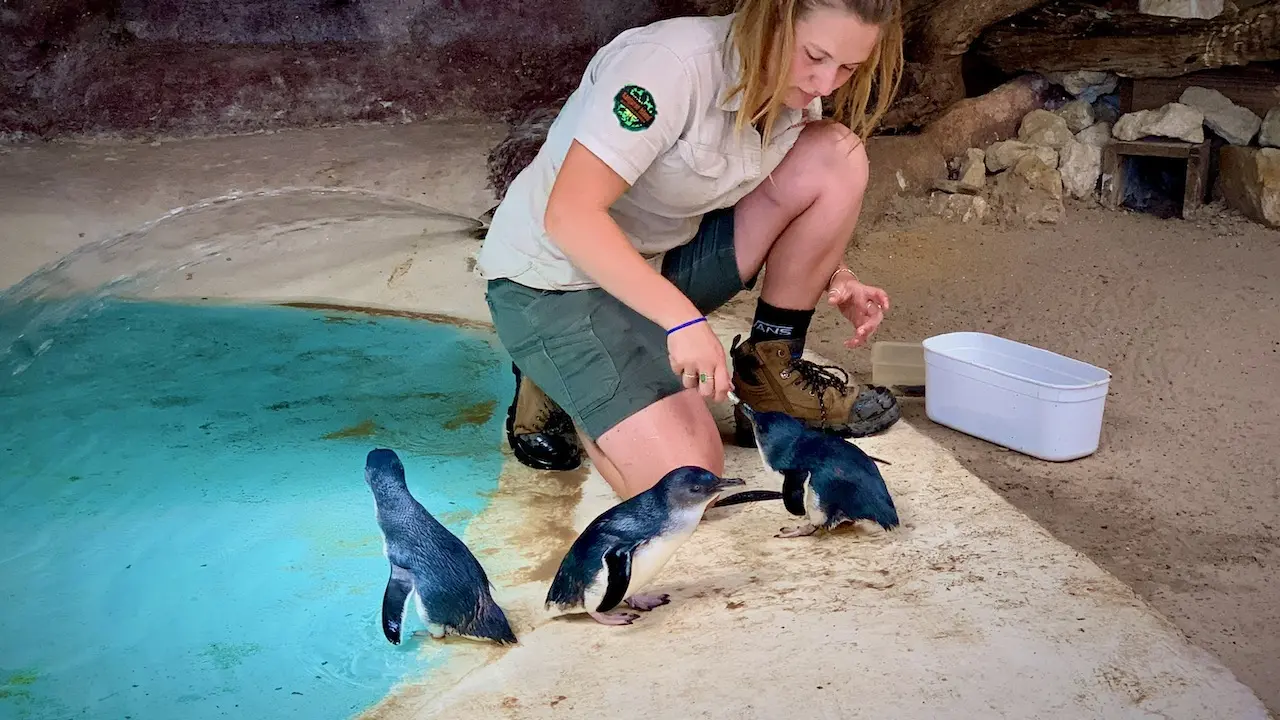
pixel 814 511
pixel 648 560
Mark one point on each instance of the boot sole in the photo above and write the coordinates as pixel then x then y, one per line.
pixel 523 455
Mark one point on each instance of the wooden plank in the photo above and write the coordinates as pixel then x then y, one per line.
pixel 1155 148
pixel 1197 180
pixel 1072 35
pixel 1112 177
pixel 1255 88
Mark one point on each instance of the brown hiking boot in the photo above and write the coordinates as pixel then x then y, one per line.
pixel 539 431
pixel 767 378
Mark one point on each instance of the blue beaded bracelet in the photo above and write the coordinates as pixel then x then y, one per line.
pixel 683 325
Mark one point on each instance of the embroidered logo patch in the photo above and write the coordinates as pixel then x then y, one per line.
pixel 634 107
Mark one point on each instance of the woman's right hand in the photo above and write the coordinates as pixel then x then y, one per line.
pixel 695 351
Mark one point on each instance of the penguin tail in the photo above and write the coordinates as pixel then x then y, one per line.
pixel 887 518
pixel 491 624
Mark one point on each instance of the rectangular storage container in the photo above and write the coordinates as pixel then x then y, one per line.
pixel 897 364
pixel 1017 396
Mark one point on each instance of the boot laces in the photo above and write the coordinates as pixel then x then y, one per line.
pixel 820 378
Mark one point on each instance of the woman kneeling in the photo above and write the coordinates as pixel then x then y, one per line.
pixel 692 155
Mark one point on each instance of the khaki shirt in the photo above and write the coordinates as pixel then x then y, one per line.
pixel 651 106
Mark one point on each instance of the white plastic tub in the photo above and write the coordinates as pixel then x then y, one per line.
pixel 1017 396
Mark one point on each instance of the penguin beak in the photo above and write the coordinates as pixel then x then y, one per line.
pixel 729 482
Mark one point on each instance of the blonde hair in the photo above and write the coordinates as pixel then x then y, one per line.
pixel 763 33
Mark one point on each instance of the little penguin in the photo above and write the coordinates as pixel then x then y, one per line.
pixel 825 479
pixel 449 587
pixel 625 548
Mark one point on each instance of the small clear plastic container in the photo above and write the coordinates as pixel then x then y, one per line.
pixel 898 364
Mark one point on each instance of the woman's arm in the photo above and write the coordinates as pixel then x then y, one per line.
pixel 578 221
pixel 638 105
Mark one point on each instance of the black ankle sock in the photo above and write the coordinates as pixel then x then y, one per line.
pixel 774 323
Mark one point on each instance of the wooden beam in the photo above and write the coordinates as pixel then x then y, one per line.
pixel 1073 35
pixel 1255 87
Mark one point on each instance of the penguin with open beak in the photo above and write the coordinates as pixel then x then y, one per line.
pixel 625 548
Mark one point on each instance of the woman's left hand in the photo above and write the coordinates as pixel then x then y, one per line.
pixel 863 305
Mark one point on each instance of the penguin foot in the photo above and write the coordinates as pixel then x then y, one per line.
pixel 648 602
pixel 435 631
pixel 797 531
pixel 622 618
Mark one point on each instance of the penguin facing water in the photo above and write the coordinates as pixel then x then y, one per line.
pixel 625 548
pixel 450 588
pixel 825 479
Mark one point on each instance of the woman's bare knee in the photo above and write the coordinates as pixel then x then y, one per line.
pixel 676 431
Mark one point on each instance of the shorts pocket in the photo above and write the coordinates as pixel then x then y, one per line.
pixel 552 337
pixel 583 366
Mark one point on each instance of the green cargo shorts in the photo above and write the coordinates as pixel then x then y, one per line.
pixel 597 358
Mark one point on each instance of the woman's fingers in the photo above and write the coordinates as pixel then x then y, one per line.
pixel 723 383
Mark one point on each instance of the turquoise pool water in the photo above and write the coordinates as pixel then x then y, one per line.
pixel 187 532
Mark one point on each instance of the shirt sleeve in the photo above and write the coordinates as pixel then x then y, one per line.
pixel 635 108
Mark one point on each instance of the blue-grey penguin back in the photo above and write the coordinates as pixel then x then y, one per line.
pixel 850 484
pixel 449 580
pixel 846 481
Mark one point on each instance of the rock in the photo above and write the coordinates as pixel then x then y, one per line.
pixel 1173 120
pixel 1233 123
pixel 1249 181
pixel 973 170
pixel 1080 166
pixel 1194 9
pixel 1088 85
pixel 1044 128
pixel 1098 134
pixel 1078 114
pixel 980 121
pixel 1269 133
pixel 959 207
pixel 1030 191
pixel 1005 154
pixel 1106 109
pixel 954 187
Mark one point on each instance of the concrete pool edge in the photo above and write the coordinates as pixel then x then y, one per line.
pixel 500 681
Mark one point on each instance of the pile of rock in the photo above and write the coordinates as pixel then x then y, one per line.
pixel 1058 153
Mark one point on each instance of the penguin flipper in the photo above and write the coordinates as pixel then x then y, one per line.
pixel 395 602
pixel 793 491
pixel 617 560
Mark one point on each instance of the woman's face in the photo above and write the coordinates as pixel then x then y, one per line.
pixel 830 45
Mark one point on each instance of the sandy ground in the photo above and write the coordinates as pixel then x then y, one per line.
pixel 1182 499
pixel 1180 502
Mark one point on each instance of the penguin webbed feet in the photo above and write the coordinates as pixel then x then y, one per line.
pixel 647 602
pixel 618 618
pixel 435 632
pixel 804 530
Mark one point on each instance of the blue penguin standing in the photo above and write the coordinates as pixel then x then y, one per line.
pixel 625 548
pixel 428 561
pixel 825 479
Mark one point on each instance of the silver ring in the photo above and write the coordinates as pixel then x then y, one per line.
pixel 690 375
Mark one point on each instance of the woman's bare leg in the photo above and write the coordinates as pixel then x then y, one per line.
pixel 679 430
